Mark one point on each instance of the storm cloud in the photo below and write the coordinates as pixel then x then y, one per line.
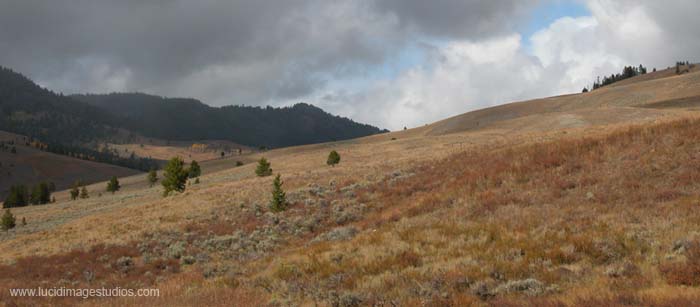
pixel 391 63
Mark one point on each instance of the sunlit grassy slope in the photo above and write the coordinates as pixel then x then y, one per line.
pixel 587 199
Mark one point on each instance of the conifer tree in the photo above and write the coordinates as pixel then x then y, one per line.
pixel 278 202
pixel 113 185
pixel 174 176
pixel 194 171
pixel 7 221
pixel 84 193
pixel 152 177
pixel 18 197
pixel 333 158
pixel 263 168
pixel 75 190
pixel 41 194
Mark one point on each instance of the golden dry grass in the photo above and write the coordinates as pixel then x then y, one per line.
pixel 590 208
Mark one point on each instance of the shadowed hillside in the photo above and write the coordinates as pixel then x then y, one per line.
pixel 189 119
pixel 29 166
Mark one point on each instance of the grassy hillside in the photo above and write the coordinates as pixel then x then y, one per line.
pixel 597 210
pixel 616 100
pixel 30 166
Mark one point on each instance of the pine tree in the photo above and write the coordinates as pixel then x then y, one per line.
pixel 34 198
pixel 75 190
pixel 152 177
pixel 174 176
pixel 279 199
pixel 7 221
pixel 18 197
pixel 113 185
pixel 263 168
pixel 84 193
pixel 41 194
pixel 333 158
pixel 194 171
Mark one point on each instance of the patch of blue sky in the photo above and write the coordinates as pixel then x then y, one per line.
pixel 547 12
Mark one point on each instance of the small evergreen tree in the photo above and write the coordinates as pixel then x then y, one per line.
pixel 585 90
pixel 84 193
pixel 333 158
pixel 113 185
pixel 239 163
pixel 174 176
pixel 45 193
pixel 18 197
pixel 24 222
pixel 263 168
pixel 34 197
pixel 194 171
pixel 41 194
pixel 7 221
pixel 75 190
pixel 152 177
pixel 278 202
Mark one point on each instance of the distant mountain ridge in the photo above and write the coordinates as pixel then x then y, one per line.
pixel 186 119
pixel 28 109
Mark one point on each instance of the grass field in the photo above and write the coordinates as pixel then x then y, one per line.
pixel 580 200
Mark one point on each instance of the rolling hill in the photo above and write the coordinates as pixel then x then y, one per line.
pixel 578 200
pixel 28 109
pixel 29 166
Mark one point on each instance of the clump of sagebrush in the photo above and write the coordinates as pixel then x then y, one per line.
pixel 333 158
pixel 263 168
pixel 174 176
pixel 152 177
pixel 113 185
pixel 194 170
pixel 278 202
pixel 7 221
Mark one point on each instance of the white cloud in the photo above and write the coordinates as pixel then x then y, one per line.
pixel 458 76
pixel 463 75
pixel 331 53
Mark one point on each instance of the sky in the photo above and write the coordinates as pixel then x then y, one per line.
pixel 389 63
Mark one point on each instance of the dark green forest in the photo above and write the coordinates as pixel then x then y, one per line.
pixel 185 119
pixel 77 120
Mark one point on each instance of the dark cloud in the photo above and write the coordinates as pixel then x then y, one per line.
pixel 251 52
pixel 457 18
